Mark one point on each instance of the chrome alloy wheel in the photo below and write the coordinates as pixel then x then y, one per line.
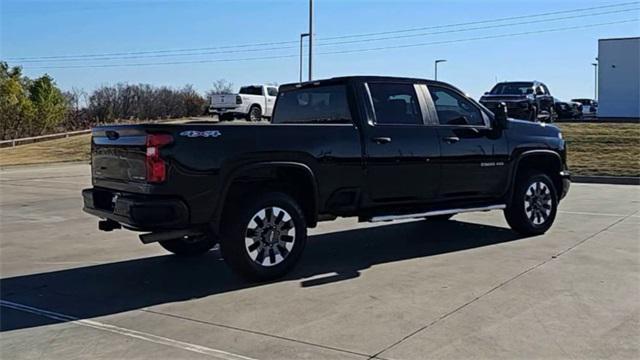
pixel 538 203
pixel 254 114
pixel 270 236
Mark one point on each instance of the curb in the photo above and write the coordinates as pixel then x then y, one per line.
pixel 615 180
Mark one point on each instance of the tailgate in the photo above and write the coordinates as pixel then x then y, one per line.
pixel 226 100
pixel 119 154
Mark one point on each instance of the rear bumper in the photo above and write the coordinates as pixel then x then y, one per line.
pixel 565 176
pixel 136 211
pixel 240 109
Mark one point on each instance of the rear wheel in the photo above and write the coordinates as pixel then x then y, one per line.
pixel 255 113
pixel 263 238
pixel 190 246
pixel 534 205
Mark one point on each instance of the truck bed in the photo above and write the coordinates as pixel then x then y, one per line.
pixel 203 156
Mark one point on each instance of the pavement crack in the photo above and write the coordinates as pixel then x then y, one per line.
pixel 229 327
pixel 502 284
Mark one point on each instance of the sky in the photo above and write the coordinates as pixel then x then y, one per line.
pixel 416 33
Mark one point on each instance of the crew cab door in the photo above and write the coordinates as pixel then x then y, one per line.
pixel 401 151
pixel 271 94
pixel 473 154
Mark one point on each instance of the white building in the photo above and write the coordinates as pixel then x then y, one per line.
pixel 619 78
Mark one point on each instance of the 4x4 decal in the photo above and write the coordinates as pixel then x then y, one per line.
pixel 196 133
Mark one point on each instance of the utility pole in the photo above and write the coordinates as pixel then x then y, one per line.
pixel 436 67
pixel 310 39
pixel 302 36
pixel 595 80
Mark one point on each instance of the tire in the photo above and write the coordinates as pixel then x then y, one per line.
pixel 553 115
pixel 263 238
pixel 533 114
pixel 225 117
pixel 534 205
pixel 440 217
pixel 189 246
pixel 255 113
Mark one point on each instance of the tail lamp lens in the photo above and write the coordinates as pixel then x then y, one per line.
pixel 238 99
pixel 156 166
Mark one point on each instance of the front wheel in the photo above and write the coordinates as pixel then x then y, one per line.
pixel 553 115
pixel 533 114
pixel 263 238
pixel 534 205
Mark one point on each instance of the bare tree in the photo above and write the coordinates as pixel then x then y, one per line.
pixel 77 116
pixel 144 102
pixel 220 86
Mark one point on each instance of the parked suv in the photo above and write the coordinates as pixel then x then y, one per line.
pixel 379 148
pixel 526 100
pixel 589 107
pixel 568 110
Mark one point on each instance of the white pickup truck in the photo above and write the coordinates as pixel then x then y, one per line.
pixel 252 102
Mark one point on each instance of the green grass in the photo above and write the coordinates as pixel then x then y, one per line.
pixel 603 149
pixel 75 148
pixel 593 149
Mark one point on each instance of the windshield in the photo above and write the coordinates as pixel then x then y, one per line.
pixel 582 101
pixel 518 88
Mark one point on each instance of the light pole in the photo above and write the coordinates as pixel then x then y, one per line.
pixel 595 80
pixel 310 34
pixel 302 36
pixel 436 67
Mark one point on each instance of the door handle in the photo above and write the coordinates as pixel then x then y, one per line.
pixel 381 140
pixel 451 139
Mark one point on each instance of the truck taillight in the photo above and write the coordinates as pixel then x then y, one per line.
pixel 238 99
pixel 156 166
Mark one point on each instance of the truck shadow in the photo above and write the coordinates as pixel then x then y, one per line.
pixel 92 291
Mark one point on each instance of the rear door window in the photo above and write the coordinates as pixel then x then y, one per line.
pixel 251 90
pixel 395 104
pixel 324 104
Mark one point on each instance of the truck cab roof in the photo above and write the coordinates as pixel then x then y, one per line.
pixel 362 78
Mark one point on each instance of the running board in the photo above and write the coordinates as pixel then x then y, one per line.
pixel 436 212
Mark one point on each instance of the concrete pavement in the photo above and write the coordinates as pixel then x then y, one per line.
pixel 468 288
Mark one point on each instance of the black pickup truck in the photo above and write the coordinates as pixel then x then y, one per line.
pixel 527 100
pixel 379 148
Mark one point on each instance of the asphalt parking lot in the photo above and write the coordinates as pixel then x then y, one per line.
pixel 468 288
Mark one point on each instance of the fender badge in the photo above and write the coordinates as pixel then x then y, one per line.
pixel 196 133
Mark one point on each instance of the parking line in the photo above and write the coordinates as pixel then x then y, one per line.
pixel 594 214
pixel 220 354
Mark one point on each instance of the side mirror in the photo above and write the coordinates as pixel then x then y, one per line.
pixel 500 116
